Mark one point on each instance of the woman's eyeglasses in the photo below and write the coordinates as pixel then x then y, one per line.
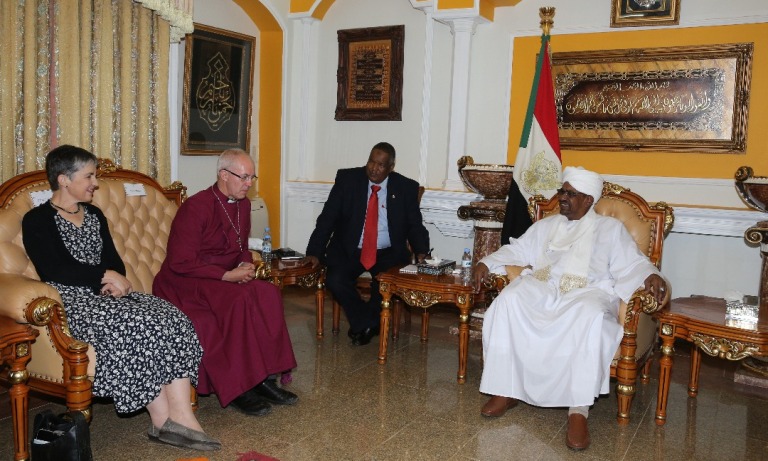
pixel 242 177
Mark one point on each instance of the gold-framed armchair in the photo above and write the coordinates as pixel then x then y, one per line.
pixel 57 364
pixel 648 224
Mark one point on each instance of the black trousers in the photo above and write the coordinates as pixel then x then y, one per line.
pixel 341 280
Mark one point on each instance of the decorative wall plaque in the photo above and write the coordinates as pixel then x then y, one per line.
pixel 218 76
pixel 670 99
pixel 370 73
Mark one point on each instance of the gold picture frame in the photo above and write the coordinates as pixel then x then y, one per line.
pixel 693 98
pixel 218 80
pixel 633 13
pixel 370 73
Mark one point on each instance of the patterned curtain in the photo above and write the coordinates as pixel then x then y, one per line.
pixel 92 73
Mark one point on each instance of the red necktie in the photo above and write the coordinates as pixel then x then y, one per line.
pixel 371 230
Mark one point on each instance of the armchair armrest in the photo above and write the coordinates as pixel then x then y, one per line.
pixel 26 300
pixel 263 270
pixel 17 292
pixel 642 301
pixel 499 281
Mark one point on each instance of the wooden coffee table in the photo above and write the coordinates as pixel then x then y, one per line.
pixel 424 291
pixel 701 321
pixel 296 272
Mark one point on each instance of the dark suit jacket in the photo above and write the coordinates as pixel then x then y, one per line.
pixel 339 226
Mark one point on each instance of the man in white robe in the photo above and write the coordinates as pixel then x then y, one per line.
pixel 550 335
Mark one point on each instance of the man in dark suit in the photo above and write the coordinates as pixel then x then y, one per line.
pixel 350 241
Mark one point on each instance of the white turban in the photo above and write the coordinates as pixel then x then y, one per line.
pixel 585 181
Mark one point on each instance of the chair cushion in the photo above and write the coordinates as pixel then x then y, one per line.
pixel 639 228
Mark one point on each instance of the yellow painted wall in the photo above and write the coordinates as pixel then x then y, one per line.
pixel 687 165
pixel 270 109
pixel 301 6
pixel 453 4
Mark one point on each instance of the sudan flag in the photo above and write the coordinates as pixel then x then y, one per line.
pixel 538 168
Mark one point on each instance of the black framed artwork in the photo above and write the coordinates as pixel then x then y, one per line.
pixel 218 80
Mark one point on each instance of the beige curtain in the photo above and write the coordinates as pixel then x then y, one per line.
pixel 92 73
pixel 24 102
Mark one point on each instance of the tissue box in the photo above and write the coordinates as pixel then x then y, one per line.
pixel 445 266
pixel 738 310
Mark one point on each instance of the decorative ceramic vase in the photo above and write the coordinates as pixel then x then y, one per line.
pixel 489 180
pixel 753 189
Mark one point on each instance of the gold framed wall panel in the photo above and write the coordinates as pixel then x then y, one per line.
pixel 693 98
pixel 632 13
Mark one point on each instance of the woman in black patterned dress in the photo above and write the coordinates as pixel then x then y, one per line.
pixel 147 352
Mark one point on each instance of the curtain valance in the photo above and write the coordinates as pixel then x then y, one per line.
pixel 178 13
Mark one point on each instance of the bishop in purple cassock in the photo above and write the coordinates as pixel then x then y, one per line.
pixel 209 274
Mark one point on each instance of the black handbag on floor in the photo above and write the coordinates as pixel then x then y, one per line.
pixel 64 437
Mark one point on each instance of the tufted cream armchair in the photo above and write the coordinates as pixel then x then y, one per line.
pixel 59 365
pixel 648 225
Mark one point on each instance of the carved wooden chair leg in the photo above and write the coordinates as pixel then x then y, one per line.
pixel 79 387
pixel 645 374
pixel 15 340
pixel 336 317
pixel 626 375
pixel 19 394
pixel 319 313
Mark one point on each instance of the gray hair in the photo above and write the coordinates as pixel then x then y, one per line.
pixel 66 160
pixel 227 158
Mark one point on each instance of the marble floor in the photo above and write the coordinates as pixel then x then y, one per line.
pixel 351 408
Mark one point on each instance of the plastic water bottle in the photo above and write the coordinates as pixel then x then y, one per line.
pixel 466 265
pixel 266 246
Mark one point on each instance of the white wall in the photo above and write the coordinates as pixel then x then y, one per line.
pixel 342 144
pixel 706 255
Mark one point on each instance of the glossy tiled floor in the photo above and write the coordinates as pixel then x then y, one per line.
pixel 351 408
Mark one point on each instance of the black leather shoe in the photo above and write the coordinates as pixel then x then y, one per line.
pixel 365 336
pixel 252 404
pixel 271 392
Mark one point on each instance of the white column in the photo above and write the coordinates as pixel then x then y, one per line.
pixel 306 56
pixel 462 30
pixel 426 95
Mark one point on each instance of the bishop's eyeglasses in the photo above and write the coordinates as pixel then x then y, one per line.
pixel 242 177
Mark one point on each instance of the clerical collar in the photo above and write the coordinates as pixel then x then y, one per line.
pixel 216 189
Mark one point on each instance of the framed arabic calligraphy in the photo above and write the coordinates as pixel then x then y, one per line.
pixel 630 13
pixel 693 98
pixel 370 73
pixel 218 80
